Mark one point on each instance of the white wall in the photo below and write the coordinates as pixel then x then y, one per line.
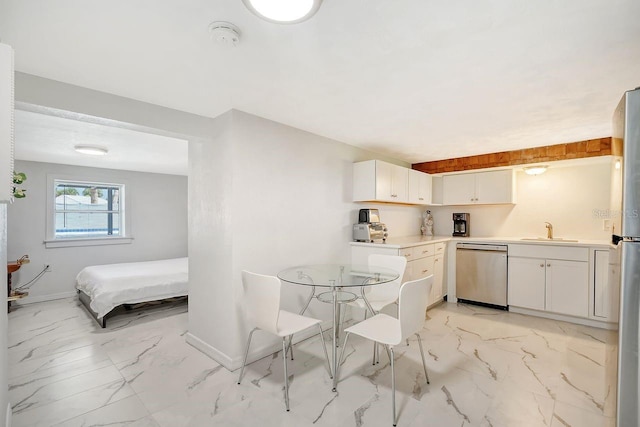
pixel 158 222
pixel 4 393
pixel 565 196
pixel 263 197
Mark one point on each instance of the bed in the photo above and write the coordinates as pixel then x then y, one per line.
pixel 101 288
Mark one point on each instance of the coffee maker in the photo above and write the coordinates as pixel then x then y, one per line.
pixel 461 224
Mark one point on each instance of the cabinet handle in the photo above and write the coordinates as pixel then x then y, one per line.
pixel 541 265
pixel 420 198
pixel 425 271
pixel 407 255
pixel 549 265
pixel 472 199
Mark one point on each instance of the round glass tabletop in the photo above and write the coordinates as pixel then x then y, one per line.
pixel 341 275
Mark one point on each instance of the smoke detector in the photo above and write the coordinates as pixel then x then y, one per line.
pixel 224 33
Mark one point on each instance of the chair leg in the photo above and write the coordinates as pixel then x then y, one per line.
pixel 424 364
pixel 375 353
pixel 286 373
pixel 324 347
pixel 246 353
pixel 290 347
pixel 340 361
pixel 337 320
pixel 393 386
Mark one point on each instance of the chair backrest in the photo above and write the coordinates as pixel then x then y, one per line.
pixel 393 262
pixel 262 300
pixel 412 305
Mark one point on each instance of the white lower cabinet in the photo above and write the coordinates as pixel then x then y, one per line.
pixel 526 279
pixel 422 261
pixel 567 287
pixel 606 286
pixel 556 281
pixel 437 292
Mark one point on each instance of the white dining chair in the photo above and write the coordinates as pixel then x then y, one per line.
pixel 262 300
pixel 380 296
pixel 390 332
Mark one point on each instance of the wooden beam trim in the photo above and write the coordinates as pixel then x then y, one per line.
pixel 549 153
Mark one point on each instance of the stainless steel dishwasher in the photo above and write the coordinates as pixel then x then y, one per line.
pixel 481 274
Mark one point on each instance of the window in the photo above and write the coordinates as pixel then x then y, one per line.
pixel 85 213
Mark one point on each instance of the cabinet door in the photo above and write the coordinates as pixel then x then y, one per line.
pixel 601 306
pixel 494 187
pixel 384 173
pixel 399 184
pixel 438 279
pixel 526 282
pixel 419 187
pixel 567 290
pixel 422 267
pixel 459 189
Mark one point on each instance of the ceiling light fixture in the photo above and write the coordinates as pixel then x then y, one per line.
pixel 283 11
pixel 92 150
pixel 535 170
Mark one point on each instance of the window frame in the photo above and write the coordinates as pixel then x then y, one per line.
pixel 51 241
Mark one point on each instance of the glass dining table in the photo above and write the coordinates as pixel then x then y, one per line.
pixel 341 283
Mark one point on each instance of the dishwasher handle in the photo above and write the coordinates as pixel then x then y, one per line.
pixel 481 247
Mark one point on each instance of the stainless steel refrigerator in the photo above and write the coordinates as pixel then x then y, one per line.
pixel 625 211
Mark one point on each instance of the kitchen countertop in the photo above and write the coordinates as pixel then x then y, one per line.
pixel 406 241
pixel 409 241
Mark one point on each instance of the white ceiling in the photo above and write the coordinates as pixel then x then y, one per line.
pixel 47 138
pixel 418 80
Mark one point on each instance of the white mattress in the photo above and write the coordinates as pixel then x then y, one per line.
pixel 111 285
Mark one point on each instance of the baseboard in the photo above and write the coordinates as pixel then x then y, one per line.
pixel 7 421
pixel 210 351
pixel 256 353
pixel 33 299
pixel 565 318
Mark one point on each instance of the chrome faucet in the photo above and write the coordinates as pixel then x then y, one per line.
pixel 549 228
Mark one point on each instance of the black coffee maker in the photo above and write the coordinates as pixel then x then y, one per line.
pixel 461 224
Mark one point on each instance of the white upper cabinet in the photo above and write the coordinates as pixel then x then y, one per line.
pixel 459 189
pixel 493 187
pixel 375 180
pixel 419 187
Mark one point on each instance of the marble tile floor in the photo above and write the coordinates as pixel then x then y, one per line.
pixel 487 368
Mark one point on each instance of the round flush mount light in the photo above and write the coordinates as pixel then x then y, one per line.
pixel 283 11
pixel 92 150
pixel 535 170
pixel 224 33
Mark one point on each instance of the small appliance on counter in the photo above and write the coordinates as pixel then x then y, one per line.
pixel 461 223
pixel 369 227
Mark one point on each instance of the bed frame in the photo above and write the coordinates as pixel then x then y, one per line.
pixel 86 301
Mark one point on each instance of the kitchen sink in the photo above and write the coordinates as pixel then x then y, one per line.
pixel 544 239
